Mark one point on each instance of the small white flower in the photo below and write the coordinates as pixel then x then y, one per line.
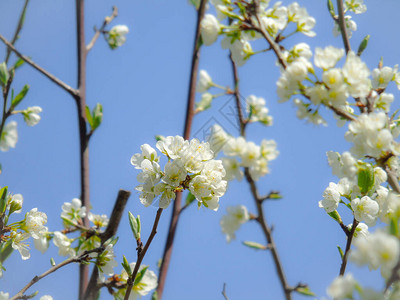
pixel 342 287
pixel 331 198
pixel 46 297
pixel 31 115
pixel 116 36
pixel 204 82
pixel 209 29
pixel 16 202
pixel 18 244
pixel 356 6
pixel 230 223
pixel 106 262
pixel 98 220
pixel 350 27
pixel 328 57
pixel 73 211
pixel 382 77
pixel 64 244
pixel 4 296
pixel 34 221
pixel 361 230
pixel 218 138
pixel 41 244
pixel 9 136
pixel 145 286
pixel 365 209
pixel 205 102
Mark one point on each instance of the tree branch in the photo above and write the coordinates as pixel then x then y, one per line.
pixel 107 20
pixel 17 31
pixel 186 134
pixel 81 258
pixel 224 292
pixel 50 76
pixel 93 287
pixel 348 245
pixel 141 255
pixel 342 25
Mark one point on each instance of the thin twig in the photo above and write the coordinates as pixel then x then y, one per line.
pixel 17 31
pixel 348 245
pixel 342 25
pixel 242 122
pixel 141 255
pixel 224 292
pixel 107 20
pixel 93 287
pixel 186 134
pixel 53 78
pixel 81 258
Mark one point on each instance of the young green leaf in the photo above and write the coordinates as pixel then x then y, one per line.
pixel 365 178
pixel 305 291
pixel 126 266
pixel 3 74
pixel 255 245
pixel 21 95
pixel 335 215
pixel 97 116
pixel 363 45
pixel 189 198
pixel 3 200
pixel 135 225
pixel 5 250
pixel 89 117
pixel 140 275
pixel 340 251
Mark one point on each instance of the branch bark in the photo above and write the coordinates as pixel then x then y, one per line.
pixel 342 25
pixel 186 134
pixel 106 21
pixel 50 76
pixel 348 245
pixel 93 287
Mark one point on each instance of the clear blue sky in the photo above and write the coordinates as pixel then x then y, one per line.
pixel 143 89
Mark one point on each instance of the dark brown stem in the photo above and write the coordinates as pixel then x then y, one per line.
pixel 81 258
pixel 342 25
pixel 17 31
pixel 224 292
pixel 53 78
pixel 186 134
pixel 287 289
pixel 93 287
pixel 84 149
pixel 106 21
pixel 348 245
pixel 141 255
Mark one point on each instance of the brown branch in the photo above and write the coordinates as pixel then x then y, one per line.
pixel 107 20
pixel 50 76
pixel 17 31
pixel 141 255
pixel 342 25
pixel 348 245
pixel 242 122
pixel 287 289
pixel 84 257
pixel 93 287
pixel 186 134
pixel 224 292
pixel 80 99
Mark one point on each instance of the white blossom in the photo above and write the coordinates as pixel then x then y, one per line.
pixel 19 244
pixel 148 153
pixel 9 136
pixel 63 243
pixel 230 223
pixel 350 27
pixel 365 209
pixel 42 243
pixel 209 29
pixel 46 297
pixel 142 288
pixel 34 222
pixel 356 74
pixel 117 36
pixel 31 115
pixel 356 6
pixel 98 220
pixel 218 138
pixel 106 262
pixel 342 287
pixel 74 211
pixel 4 296
pixel 381 77
pixel 331 198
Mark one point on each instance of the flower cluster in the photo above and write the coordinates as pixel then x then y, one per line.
pixel 241 153
pixel 9 136
pixel 190 166
pixel 230 223
pixel 273 19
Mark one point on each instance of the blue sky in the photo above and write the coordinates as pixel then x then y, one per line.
pixel 143 88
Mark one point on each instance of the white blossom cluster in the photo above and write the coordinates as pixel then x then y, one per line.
pixel 241 153
pixel 190 166
pixel 273 19
pixel 230 223
pixel 116 37
pixel 355 6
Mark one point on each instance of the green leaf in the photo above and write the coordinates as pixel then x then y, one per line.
pixel 189 198
pixel 21 95
pixel 365 178
pixel 335 215
pixel 3 74
pixel 97 116
pixel 394 226
pixel 3 200
pixel 154 296
pixel 254 245
pixel 5 251
pixel 126 266
pixel 52 262
pixel 139 276
pixel 331 8
pixel 305 291
pixel 340 251
pixel 89 117
pixel 363 45
pixel 18 63
pixel 135 225
pixel 275 195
